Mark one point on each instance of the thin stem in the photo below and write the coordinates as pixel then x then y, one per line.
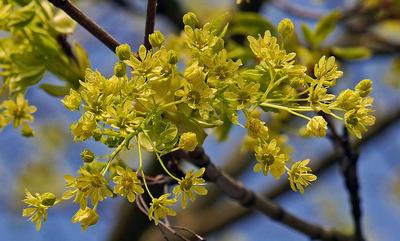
pixel 285 109
pixel 160 160
pixel 75 13
pixel 150 21
pixel 141 169
pixel 114 154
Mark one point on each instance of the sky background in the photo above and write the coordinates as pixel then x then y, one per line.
pixel 22 161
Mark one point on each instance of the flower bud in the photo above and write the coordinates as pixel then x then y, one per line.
pixel 347 99
pixel 364 87
pixel 120 69
pixel 317 126
pixel 188 141
pixel 123 52
pixel 172 57
pixel 72 101
pixel 26 130
pixel 257 129
pixel 191 19
pixel 156 39
pixel 87 155
pixel 285 28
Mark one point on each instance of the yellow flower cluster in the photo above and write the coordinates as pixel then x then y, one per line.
pixel 163 108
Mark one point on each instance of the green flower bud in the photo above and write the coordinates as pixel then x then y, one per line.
pixel 285 28
pixel 120 69
pixel 72 101
pixel 123 52
pixel 26 130
pixel 87 155
pixel 317 126
pixel 191 19
pixel 364 87
pixel 156 39
pixel 188 141
pixel 347 99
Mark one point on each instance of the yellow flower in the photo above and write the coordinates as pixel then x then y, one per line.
pixel 364 87
pixel 72 101
pixel 37 207
pixel 256 128
pixel 348 99
pixel 188 141
pixel 357 121
pixel 127 183
pixel 299 176
pixel 159 208
pixel 317 126
pixel 243 95
pixel 270 159
pixel 189 185
pixel 83 129
pixel 88 185
pixel 327 71
pixel 18 111
pixel 86 216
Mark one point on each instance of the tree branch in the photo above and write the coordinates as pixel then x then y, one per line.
pixel 75 13
pixel 227 213
pixel 248 198
pixel 150 21
pixel 348 160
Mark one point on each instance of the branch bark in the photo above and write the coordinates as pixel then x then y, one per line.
pixel 150 21
pixel 76 14
pixel 348 160
pixel 249 199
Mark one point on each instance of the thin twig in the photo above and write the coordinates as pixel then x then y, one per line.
pixel 348 162
pixel 189 231
pixel 75 13
pixel 150 21
pixel 249 199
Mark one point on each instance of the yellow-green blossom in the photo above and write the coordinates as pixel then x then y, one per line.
pixel 18 111
pixel 72 101
pixel 257 129
pixel 191 184
pixel 300 176
pixel 159 208
pixel 86 216
pixel 188 141
pixel 87 185
pixel 270 159
pixel 317 126
pixel 127 183
pixel 37 207
pixel 358 120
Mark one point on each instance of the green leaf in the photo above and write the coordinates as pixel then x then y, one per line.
pixel 55 90
pixel 388 30
pixel 350 53
pixel 247 23
pixel 325 26
pixel 62 23
pixel 308 36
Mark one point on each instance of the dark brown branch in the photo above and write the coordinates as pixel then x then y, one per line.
pixel 348 160
pixel 249 199
pixel 150 21
pixel 75 13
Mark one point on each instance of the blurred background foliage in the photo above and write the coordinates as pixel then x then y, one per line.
pixel 363 35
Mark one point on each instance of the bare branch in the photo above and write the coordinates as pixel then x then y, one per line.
pixel 75 13
pixel 150 21
pixel 348 160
